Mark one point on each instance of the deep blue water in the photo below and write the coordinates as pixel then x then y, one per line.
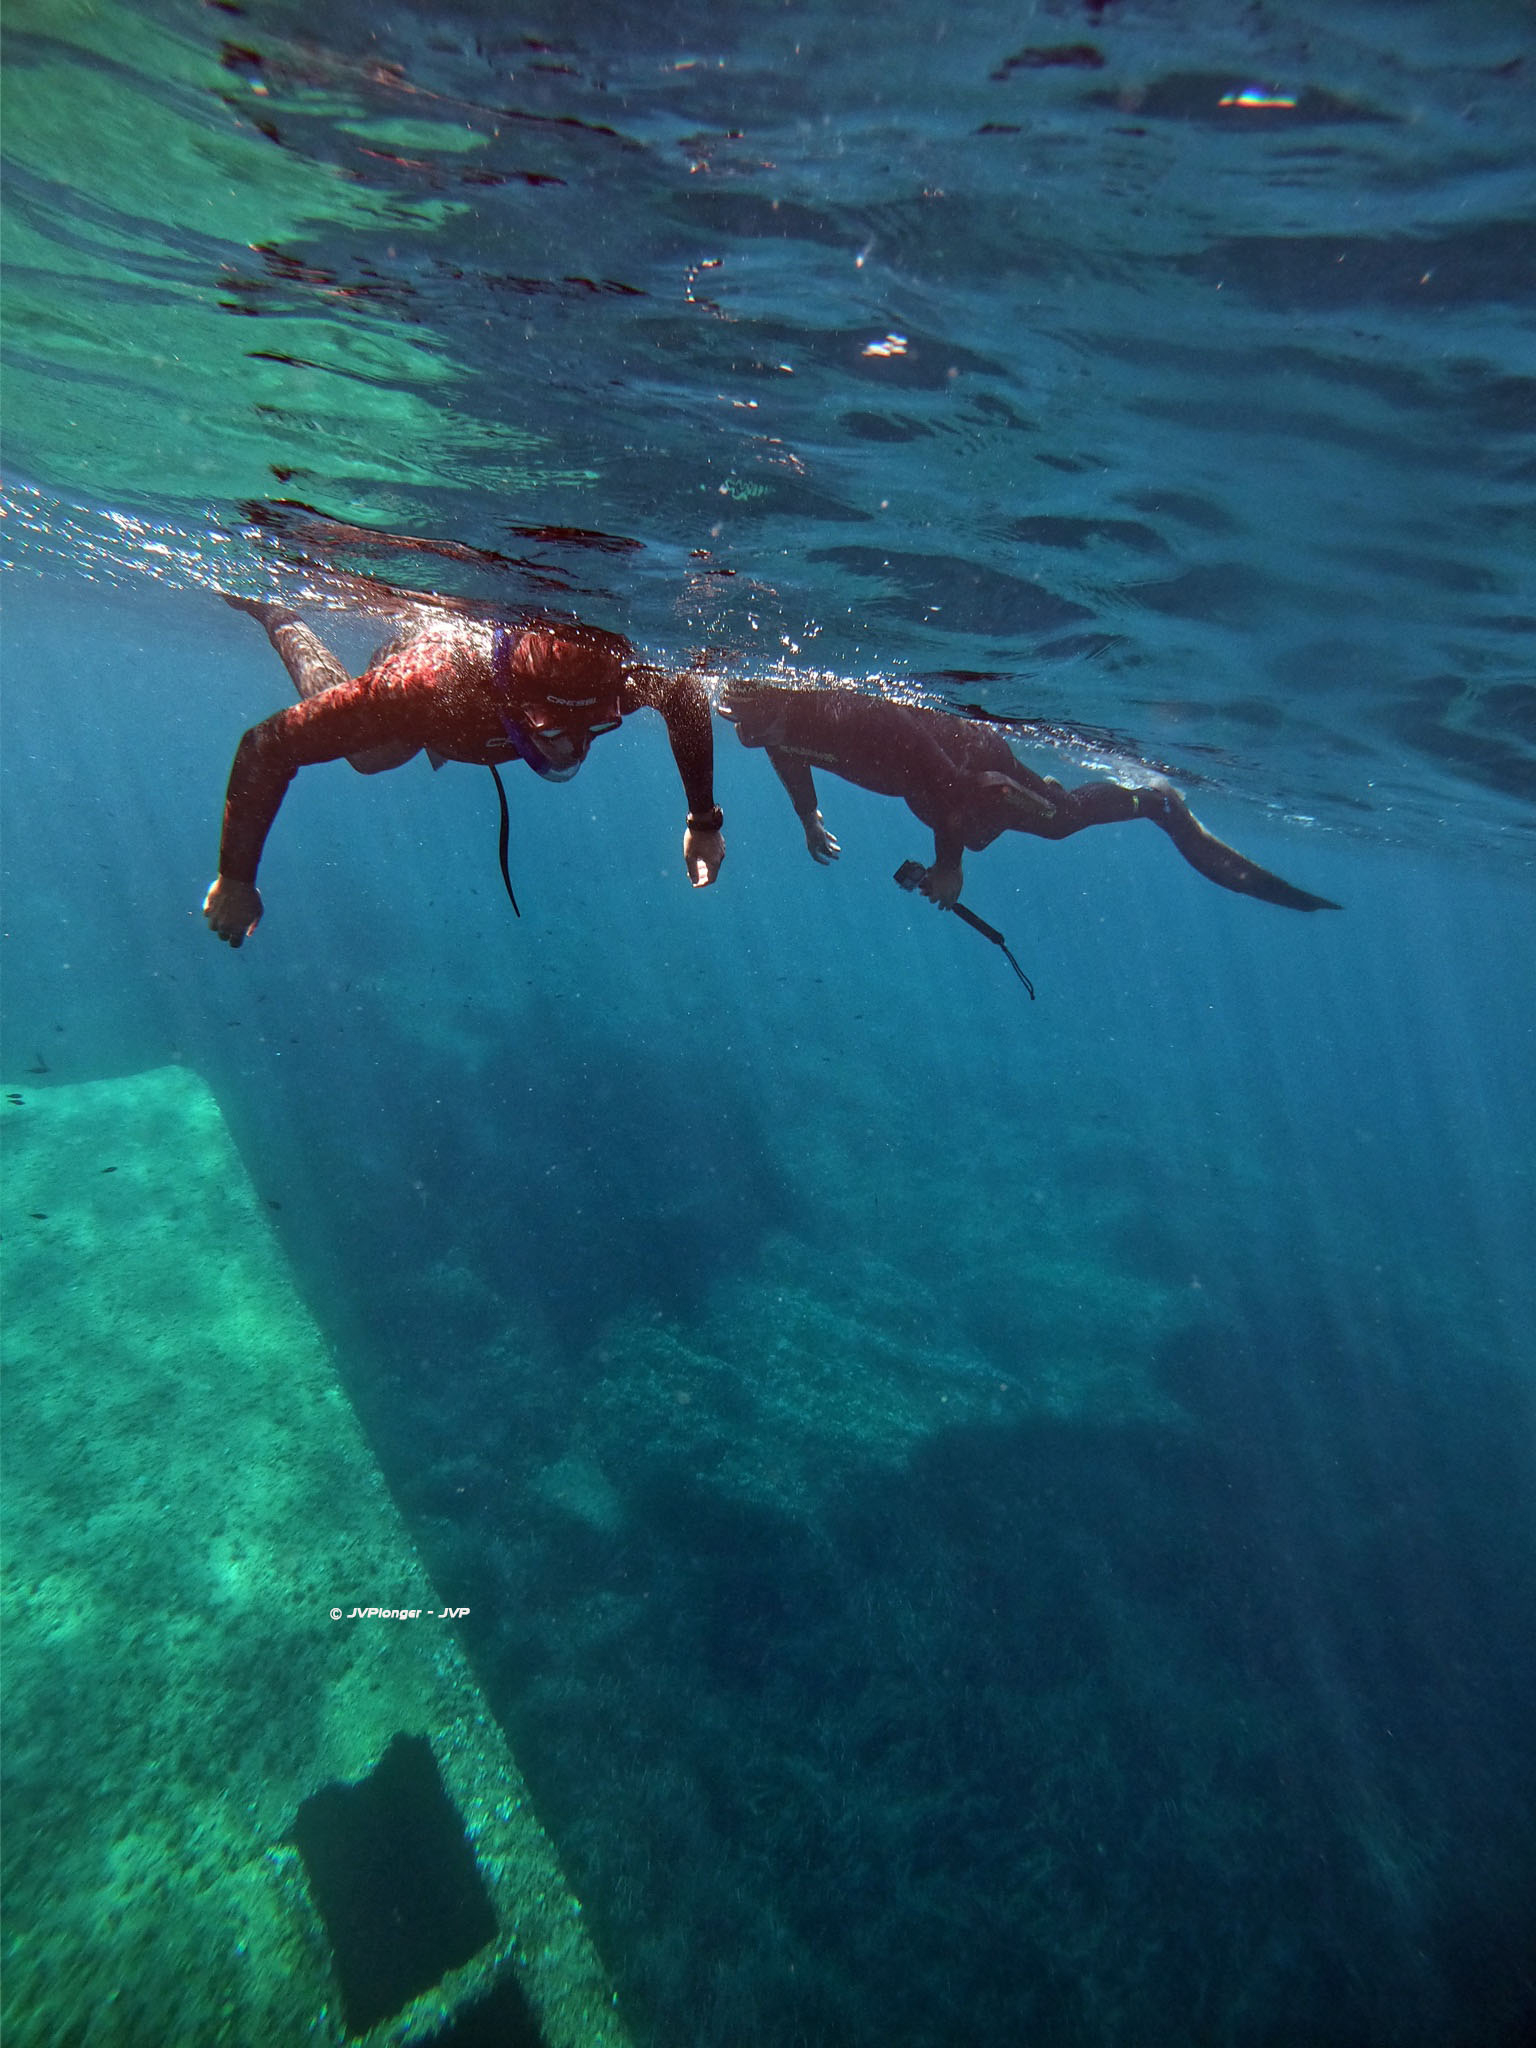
pixel 983 1519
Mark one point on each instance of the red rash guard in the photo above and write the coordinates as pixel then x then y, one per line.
pixel 459 688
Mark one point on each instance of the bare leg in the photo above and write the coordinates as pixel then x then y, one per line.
pixel 1109 803
pixel 305 655
pixel 314 668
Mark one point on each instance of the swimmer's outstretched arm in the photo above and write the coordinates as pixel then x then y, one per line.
pixel 795 774
pixel 681 700
pixel 347 719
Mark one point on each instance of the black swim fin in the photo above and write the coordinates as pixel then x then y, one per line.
pixel 1217 861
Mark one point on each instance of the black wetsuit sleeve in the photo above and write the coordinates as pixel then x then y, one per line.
pixel 795 774
pixel 682 703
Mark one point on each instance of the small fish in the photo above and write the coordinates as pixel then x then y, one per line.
pixel 38 1215
pixel 17 1099
pixel 109 1169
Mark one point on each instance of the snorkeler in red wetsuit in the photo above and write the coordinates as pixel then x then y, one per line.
pixel 466 690
pixel 964 781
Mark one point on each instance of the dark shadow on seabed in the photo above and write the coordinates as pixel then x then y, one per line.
pixel 557 1169
pixel 1060 1728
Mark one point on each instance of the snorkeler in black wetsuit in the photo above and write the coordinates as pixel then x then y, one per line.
pixel 964 781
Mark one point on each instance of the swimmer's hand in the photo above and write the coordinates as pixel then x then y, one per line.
pixel 702 855
pixel 942 884
pixel 819 843
pixel 233 910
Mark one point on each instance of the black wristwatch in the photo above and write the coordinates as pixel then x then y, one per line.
pixel 706 821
